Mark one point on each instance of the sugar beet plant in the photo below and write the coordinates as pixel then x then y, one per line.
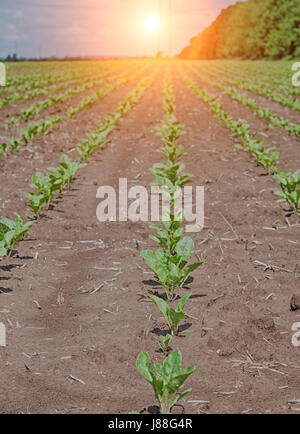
pixel 11 232
pixel 169 263
pixel 166 379
pixel 290 189
pixel 172 316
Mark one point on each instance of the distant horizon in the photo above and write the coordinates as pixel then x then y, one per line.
pixel 10 58
pixel 40 29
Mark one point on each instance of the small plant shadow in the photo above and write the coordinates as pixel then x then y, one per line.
pixel 23 258
pixel 159 332
pixel 162 296
pixel 14 254
pixel 53 207
pixel 188 281
pixel 9 267
pixel 198 296
pixel 288 212
pixel 69 193
pixel 151 282
pixel 153 409
pixel 160 351
pixel 184 327
pixel 5 290
pixel 178 297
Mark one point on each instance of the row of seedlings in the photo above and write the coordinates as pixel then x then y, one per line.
pixel 15 96
pixel 169 262
pixel 37 81
pixel 257 88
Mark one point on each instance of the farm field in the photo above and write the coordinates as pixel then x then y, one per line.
pixel 73 292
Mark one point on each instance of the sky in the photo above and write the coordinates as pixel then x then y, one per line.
pixel 43 28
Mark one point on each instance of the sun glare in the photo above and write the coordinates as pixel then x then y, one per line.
pixel 151 23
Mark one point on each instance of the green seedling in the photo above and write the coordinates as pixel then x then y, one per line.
pixel 170 130
pixel 48 184
pixel 262 154
pixel 36 202
pixel 39 127
pixel 65 172
pixel 11 232
pixel 172 316
pixel 266 160
pixel 166 379
pixel 170 233
pixel 172 270
pixel 10 122
pixel 163 342
pixel 172 152
pixel 3 148
pixel 169 175
pixel 42 182
pixel 290 189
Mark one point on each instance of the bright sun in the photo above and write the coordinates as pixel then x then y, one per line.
pixel 151 23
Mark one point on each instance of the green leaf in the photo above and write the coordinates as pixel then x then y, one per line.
pixel 184 248
pixel 177 381
pixel 175 318
pixel 162 306
pixel 179 397
pixel 182 302
pixel 172 364
pixel 145 368
pixel 189 269
pixel 3 250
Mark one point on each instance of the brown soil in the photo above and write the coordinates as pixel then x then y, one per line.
pixel 71 351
